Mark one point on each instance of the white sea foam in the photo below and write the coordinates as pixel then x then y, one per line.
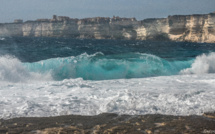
pixel 12 70
pixel 176 95
pixel 24 93
pixel 202 64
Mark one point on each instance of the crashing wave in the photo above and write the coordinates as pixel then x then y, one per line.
pixel 12 70
pixel 202 64
pixel 101 67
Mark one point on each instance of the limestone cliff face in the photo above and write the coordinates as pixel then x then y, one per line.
pixel 107 29
pixel 153 29
pixel 50 29
pixel 11 29
pixel 192 28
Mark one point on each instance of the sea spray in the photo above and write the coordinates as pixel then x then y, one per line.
pixel 202 64
pixel 59 76
pixel 12 70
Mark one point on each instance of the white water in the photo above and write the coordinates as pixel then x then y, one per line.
pixel 24 94
pixel 176 95
pixel 203 64
pixel 12 70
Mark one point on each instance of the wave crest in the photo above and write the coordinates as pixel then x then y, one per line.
pixel 100 67
pixel 203 64
pixel 12 70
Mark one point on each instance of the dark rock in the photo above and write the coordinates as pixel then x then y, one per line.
pixel 109 123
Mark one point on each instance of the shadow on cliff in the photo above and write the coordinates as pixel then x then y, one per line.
pixel 158 37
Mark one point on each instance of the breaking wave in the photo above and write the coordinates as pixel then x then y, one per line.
pixel 101 67
pixel 203 64
pixel 12 70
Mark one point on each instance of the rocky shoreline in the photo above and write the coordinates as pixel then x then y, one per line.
pixel 110 123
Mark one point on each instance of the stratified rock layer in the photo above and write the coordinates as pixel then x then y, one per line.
pixel 191 28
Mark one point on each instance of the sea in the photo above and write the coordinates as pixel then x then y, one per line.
pixel 41 77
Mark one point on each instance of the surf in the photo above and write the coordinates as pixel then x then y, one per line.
pixel 101 67
pixel 13 70
pixel 49 77
pixel 203 64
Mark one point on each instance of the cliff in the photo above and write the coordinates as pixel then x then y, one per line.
pixel 192 28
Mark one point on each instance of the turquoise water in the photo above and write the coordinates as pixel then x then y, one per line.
pixel 42 77
pixel 102 59
pixel 100 67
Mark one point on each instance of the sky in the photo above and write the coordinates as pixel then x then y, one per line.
pixel 140 9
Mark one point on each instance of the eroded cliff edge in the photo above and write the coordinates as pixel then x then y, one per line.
pixel 192 28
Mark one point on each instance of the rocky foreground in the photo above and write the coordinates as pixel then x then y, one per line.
pixel 108 123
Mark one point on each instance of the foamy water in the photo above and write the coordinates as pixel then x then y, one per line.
pixel 29 94
pixel 50 76
pixel 175 95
